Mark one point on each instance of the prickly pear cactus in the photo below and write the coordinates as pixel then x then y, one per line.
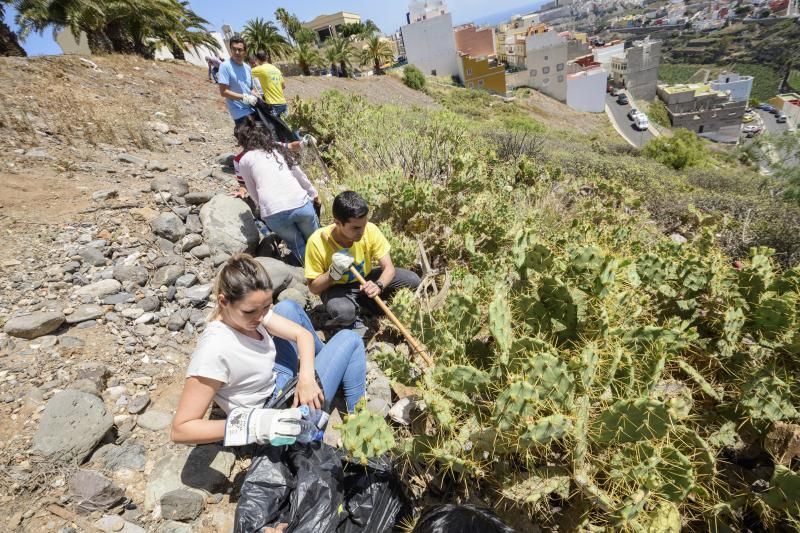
pixel 546 429
pixel 440 408
pixel 365 434
pixel 632 421
pixel 784 491
pixel 653 270
pixel 517 405
pixel 767 398
pixel 560 310
pixel 551 379
pixel 405 306
pixel 396 365
pixel 500 321
pixel 461 381
pixel 536 486
pixel 530 255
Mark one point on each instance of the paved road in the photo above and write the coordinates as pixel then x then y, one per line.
pixel 769 123
pixel 619 115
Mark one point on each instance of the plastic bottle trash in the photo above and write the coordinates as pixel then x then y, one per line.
pixel 309 431
pixel 317 416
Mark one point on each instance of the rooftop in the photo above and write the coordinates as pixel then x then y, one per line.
pixel 698 88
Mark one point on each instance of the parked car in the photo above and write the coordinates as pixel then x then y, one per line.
pixel 622 99
pixel 767 107
pixel 751 130
pixel 640 121
pixel 632 113
pixel 780 118
pixel 614 91
pixel 748 118
pixel 773 110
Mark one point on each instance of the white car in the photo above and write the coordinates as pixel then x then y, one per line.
pixel 640 121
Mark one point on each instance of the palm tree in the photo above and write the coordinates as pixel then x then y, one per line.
pixel 377 52
pixel 307 56
pixel 331 58
pixel 9 45
pixel 262 35
pixel 343 52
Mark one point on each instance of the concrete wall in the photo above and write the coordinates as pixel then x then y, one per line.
pixel 576 48
pixel 431 46
pixel 701 113
pixel 603 54
pixel 547 61
pixel 641 76
pixel 586 90
pixel 71 45
pixel 475 42
pixel 739 86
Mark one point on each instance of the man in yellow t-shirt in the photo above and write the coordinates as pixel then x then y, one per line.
pixel 352 240
pixel 271 80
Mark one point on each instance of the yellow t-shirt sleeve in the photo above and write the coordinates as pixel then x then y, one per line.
pixel 317 261
pixel 379 246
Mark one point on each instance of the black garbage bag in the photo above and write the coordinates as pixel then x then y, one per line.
pixel 312 488
pixel 279 128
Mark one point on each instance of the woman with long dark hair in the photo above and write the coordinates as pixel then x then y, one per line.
pixel 279 187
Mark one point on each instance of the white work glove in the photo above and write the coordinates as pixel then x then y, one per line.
pixel 246 425
pixel 340 262
pixel 249 99
pixel 308 139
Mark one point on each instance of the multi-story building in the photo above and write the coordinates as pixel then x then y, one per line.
pixel 701 109
pixel 604 54
pixel 789 105
pixel 424 10
pixel 738 86
pixel 397 39
pixel 476 42
pixel 327 26
pixel 546 61
pixel 429 41
pixel 586 85
pixel 483 73
pixel 637 71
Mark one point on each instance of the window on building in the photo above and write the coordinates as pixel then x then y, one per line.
pixel 545 70
pixel 545 58
pixel 433 72
pixel 560 78
pixel 533 73
pixel 469 72
pixel 546 81
pixel 700 129
pixel 480 83
pixel 469 85
pixel 560 67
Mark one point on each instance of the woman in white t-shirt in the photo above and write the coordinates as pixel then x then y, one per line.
pixel 249 352
pixel 283 193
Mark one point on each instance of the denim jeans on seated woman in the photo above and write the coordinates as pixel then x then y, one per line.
pixel 294 227
pixel 340 361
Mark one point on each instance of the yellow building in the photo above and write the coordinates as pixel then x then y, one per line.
pixel 326 26
pixel 480 73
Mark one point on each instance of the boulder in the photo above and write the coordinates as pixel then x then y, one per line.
pixel 149 304
pixel 228 225
pixel 171 184
pixel 197 198
pixel 92 256
pixel 168 226
pixel 71 425
pixel 154 420
pixel 201 252
pixel 166 276
pixel 134 273
pixel 199 293
pixel 204 467
pixel 190 241
pixel 92 491
pixel 193 224
pixel 34 325
pixel 280 274
pixel 84 313
pixel 129 455
pixel 100 288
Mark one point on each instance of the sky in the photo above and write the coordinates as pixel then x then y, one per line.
pixel 389 15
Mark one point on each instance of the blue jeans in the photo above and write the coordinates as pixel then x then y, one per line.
pixel 295 227
pixel 279 109
pixel 342 361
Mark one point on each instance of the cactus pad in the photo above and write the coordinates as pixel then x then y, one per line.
pixel 365 434
pixel 632 421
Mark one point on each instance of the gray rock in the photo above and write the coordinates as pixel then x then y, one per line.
pixel 34 325
pixel 181 505
pixel 149 304
pixel 160 127
pixel 174 527
pixel 119 298
pixel 154 420
pixel 132 159
pixel 197 198
pixel 84 313
pixel 187 280
pixel 100 288
pixel 218 259
pixel 71 267
pixel 379 394
pixel 279 273
pixel 171 184
pixel 110 523
pixel 69 342
pixel 193 224
pixel 143 330
pixel 166 276
pixel 144 318
pixel 105 194
pixel 36 153
pixel 201 252
pixel 89 386
pixel 196 138
pixel 129 455
pixel 226 160
pixel 401 411
pixel 92 256
pixel 170 259
pixel 182 211
pixel 228 225
pixel 177 320
pixel 134 273
pixel 204 467
pixel 190 241
pixel 158 166
pixel 138 404
pixel 168 226
pixel 199 293
pixel 92 491
pixel 71 425
pixel 677 238
pixel 295 295
pixel 165 245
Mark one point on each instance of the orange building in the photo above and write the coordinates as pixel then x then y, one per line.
pixel 481 73
pixel 475 42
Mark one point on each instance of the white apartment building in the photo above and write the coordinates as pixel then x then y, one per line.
pixel 418 11
pixel 429 41
pixel 738 86
pixel 547 60
pixel 586 89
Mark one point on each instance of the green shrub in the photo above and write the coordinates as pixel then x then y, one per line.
pixel 658 113
pixel 413 77
pixel 683 149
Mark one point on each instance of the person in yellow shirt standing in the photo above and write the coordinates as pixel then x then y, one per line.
pixel 352 240
pixel 272 83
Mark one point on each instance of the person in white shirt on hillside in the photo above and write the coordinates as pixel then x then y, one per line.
pixel 283 193
pixel 248 354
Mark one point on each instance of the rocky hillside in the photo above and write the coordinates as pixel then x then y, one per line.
pixel 115 212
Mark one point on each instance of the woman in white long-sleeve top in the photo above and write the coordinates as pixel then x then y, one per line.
pixel 279 187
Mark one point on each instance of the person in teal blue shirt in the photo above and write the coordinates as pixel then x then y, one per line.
pixel 235 80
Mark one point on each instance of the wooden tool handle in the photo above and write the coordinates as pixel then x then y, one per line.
pixel 415 344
